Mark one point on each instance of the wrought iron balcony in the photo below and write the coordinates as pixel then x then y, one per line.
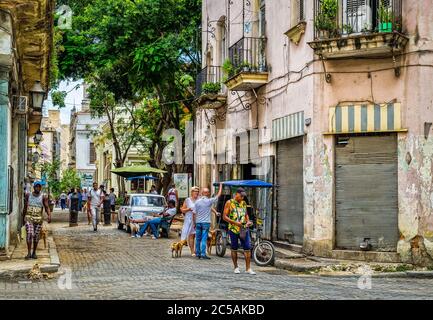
pixel 209 88
pixel 208 81
pixel 345 28
pixel 248 68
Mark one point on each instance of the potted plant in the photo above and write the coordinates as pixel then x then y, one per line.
pixel 211 87
pixel 385 18
pixel 228 68
pixel 326 20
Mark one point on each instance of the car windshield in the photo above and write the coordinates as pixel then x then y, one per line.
pixel 147 201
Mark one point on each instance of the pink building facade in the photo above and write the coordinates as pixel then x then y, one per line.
pixel 343 113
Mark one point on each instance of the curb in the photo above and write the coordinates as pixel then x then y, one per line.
pixel 53 267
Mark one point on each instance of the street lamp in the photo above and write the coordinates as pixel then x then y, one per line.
pixel 37 94
pixel 38 137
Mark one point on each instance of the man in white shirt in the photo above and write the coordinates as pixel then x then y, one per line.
pixel 96 198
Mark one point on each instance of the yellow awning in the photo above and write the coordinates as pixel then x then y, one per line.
pixel 364 118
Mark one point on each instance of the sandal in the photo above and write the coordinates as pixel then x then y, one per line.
pixel 34 256
pixel 28 256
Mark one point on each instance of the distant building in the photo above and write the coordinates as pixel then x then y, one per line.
pixel 105 159
pixel 64 146
pixel 51 130
pixel 82 153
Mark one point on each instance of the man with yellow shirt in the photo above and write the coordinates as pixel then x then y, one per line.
pixel 235 213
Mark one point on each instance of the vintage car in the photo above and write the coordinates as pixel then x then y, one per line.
pixel 139 205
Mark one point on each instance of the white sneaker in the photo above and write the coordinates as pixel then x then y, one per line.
pixel 154 238
pixel 237 270
pixel 250 271
pixel 146 234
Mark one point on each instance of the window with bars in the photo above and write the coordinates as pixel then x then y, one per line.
pixel 92 153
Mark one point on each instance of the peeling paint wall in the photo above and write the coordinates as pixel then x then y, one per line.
pixel 305 89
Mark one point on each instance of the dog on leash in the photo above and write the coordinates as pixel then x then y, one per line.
pixel 44 234
pixel 176 248
pixel 211 241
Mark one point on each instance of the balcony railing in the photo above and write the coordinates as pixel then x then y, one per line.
pixel 339 18
pixel 209 80
pixel 248 55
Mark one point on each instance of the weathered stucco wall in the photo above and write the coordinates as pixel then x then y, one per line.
pixel 296 83
pixel 413 90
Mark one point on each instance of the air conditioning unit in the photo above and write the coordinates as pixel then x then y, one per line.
pixel 20 104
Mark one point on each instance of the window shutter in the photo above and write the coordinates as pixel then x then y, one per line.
pixel 301 7
pixel 92 153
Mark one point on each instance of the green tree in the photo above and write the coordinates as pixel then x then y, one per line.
pixel 70 179
pixel 142 54
pixel 51 169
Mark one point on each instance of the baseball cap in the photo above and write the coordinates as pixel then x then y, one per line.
pixel 242 192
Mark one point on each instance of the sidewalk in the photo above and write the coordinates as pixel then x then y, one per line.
pixel 18 267
pixel 300 263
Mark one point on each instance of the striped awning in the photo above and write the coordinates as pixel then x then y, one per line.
pixel 288 127
pixel 365 118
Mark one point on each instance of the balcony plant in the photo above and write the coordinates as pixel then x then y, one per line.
pixel 386 18
pixel 326 20
pixel 228 69
pixel 211 87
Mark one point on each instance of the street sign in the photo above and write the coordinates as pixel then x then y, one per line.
pixel 181 180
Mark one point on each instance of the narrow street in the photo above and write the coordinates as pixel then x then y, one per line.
pixel 111 265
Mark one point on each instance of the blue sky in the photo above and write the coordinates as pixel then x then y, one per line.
pixel 74 97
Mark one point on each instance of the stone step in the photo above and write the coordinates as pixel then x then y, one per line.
pixel 287 254
pixel 299 265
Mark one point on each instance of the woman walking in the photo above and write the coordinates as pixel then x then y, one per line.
pixel 188 230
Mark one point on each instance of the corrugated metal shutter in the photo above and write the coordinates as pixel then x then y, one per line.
pixel 290 191
pixel 366 192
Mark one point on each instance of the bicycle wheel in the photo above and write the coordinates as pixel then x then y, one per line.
pixel 264 253
pixel 220 245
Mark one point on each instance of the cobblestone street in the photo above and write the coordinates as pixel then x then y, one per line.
pixel 111 265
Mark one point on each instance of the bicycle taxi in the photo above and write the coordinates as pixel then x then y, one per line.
pixel 263 251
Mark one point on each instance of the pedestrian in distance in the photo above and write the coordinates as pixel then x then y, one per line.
pixel 96 198
pixel 84 199
pixel 172 194
pixel 112 196
pixel 63 198
pixel 35 203
pixel 235 213
pixel 153 190
pixel 188 229
pixel 104 193
pixel 203 211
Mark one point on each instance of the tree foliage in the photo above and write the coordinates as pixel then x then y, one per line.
pixel 70 179
pixel 140 58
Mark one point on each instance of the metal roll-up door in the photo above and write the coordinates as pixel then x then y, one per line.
pixel 366 192
pixel 290 191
